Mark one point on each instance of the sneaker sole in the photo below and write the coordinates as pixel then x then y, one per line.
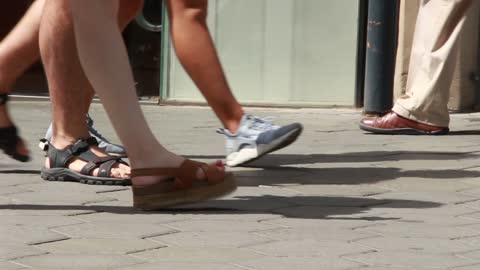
pixel 190 196
pixel 245 156
pixel 402 131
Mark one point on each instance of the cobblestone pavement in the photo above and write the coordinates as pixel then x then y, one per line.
pixel 337 199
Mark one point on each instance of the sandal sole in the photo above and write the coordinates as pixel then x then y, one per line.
pixel 66 175
pixel 190 196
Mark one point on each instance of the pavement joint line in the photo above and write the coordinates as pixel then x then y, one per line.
pixel 100 200
pixel 161 234
pixel 29 256
pixel 466 201
pixel 89 211
pixel 459 255
pixel 19 264
pixel 157 242
pixel 259 243
pixel 459 267
pixel 362 263
pixel 259 234
pixel 240 266
pixel 145 250
pixel 111 191
pixel 259 252
pixel 80 222
pixel 133 255
pixel 61 233
pixel 50 241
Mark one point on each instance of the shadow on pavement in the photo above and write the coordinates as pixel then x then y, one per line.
pixel 341 176
pixel 464 132
pixel 354 157
pixel 303 207
pixel 37 172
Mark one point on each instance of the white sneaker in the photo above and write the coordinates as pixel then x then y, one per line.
pixel 257 137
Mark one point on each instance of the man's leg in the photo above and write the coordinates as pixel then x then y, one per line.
pixel 423 109
pixel 248 138
pixel 160 178
pixel 70 91
pixel 127 11
pixel 18 51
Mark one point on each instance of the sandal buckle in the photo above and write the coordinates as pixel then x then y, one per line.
pixel 44 145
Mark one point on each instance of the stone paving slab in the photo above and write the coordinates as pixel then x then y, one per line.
pixel 422 245
pixel 30 235
pixel 114 230
pixel 220 226
pixel 99 246
pixel 84 261
pixel 419 230
pixel 291 262
pixel 182 266
pixel 411 260
pixel 211 239
pixel 310 248
pixel 336 199
pixel 10 266
pixel 10 250
pixel 198 255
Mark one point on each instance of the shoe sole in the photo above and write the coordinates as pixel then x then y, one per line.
pixel 245 156
pixel 66 175
pixel 189 196
pixel 403 131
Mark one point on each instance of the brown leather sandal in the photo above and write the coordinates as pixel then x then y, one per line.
pixel 183 187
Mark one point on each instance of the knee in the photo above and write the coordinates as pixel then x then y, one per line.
pixel 128 10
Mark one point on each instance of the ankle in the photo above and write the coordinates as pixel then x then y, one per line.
pixel 63 140
pixel 155 159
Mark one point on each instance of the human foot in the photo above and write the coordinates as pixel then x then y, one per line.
pixel 84 162
pixel 10 142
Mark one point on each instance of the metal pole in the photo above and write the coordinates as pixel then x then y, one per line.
pixel 380 56
pixel 361 50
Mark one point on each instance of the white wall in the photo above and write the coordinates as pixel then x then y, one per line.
pixel 281 51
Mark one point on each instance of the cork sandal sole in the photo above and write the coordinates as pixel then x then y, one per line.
pixel 187 196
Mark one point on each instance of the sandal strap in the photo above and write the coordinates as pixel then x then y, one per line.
pixel 4 98
pixel 104 164
pixel 60 158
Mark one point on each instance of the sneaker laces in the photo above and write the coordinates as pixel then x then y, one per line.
pixel 94 131
pixel 261 123
pixel 256 123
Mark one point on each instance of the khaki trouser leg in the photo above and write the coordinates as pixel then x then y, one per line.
pixel 432 62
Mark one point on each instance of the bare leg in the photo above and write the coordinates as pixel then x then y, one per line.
pixel 195 50
pixel 18 51
pixel 98 35
pixel 70 91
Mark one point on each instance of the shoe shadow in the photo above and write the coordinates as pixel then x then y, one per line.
pixel 276 176
pixel 35 172
pixel 464 132
pixel 302 207
pixel 353 157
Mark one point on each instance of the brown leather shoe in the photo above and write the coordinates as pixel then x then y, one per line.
pixel 392 123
